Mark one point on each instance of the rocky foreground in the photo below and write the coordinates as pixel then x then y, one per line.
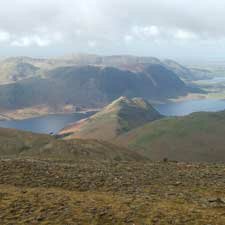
pixel 140 193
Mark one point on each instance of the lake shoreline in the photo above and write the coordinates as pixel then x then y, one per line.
pixel 17 116
pixel 48 124
pixel 53 123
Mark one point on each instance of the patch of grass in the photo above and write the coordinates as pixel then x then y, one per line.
pixel 199 136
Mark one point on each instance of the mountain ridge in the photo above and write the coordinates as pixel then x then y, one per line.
pixel 197 137
pixel 120 116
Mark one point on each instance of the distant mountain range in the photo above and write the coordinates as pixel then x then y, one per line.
pixel 88 80
pixel 18 68
pixel 133 123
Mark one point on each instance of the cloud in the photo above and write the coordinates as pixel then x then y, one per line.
pixel 185 35
pixel 145 32
pixel 102 18
pixel 108 26
pixel 128 38
pixel 40 40
pixel 92 44
pixel 28 41
pixel 4 36
pixel 153 33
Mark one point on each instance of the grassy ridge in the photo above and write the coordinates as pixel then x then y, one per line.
pixel 21 144
pixel 197 137
pixel 120 116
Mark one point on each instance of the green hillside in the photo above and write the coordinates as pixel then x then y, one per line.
pixel 20 144
pixel 197 137
pixel 118 117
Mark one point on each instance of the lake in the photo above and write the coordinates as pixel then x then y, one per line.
pixel 213 81
pixel 54 123
pixel 45 124
pixel 190 106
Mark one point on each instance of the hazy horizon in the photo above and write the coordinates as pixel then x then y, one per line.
pixel 186 31
pixel 184 61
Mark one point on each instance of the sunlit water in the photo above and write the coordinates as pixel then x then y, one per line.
pixel 45 124
pixel 215 80
pixel 190 106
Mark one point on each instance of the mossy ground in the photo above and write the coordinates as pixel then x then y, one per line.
pixel 37 192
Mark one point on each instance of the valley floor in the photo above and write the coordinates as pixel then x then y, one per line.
pixel 90 192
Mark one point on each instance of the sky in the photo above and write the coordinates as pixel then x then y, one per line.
pixel 177 29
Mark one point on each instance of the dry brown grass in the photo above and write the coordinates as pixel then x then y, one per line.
pixel 95 193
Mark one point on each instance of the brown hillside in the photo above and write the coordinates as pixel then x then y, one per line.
pixel 120 116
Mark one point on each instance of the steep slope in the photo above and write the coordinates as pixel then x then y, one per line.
pixel 13 70
pixel 187 74
pixel 19 144
pixel 91 86
pixel 197 137
pixel 183 72
pixel 118 117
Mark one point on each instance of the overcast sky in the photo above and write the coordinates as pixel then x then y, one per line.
pixel 180 29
